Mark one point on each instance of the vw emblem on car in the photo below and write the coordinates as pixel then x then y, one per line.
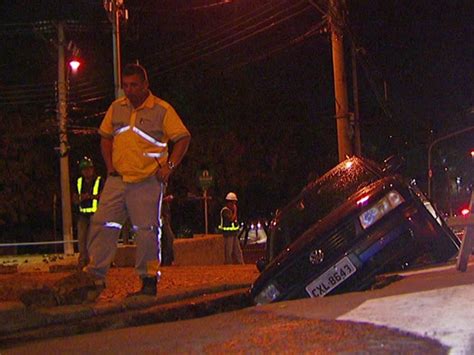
pixel 316 256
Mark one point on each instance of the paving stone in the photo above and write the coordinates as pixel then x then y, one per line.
pixel 8 269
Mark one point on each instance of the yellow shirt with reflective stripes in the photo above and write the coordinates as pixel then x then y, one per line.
pixel 155 120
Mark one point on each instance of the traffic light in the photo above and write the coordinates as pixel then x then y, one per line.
pixel 74 64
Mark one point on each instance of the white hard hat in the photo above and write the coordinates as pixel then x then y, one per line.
pixel 231 197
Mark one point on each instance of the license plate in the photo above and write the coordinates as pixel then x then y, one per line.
pixel 331 278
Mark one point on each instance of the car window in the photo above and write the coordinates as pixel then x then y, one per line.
pixel 318 199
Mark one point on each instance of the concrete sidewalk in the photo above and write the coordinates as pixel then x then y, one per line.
pixel 432 303
pixel 184 292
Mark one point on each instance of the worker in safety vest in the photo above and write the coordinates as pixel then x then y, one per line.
pixel 229 227
pixel 89 186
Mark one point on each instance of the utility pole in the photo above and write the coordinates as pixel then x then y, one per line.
pixel 116 10
pixel 344 134
pixel 64 145
pixel 355 95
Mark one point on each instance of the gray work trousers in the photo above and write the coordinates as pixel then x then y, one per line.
pixel 141 202
pixel 83 221
pixel 232 250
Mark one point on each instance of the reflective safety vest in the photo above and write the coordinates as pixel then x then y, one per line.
pixel 228 227
pixel 95 191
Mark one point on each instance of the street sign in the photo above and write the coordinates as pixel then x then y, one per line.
pixel 205 179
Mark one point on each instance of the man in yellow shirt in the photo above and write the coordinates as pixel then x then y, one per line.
pixel 134 142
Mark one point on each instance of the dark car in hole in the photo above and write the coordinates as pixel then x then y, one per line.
pixel 358 220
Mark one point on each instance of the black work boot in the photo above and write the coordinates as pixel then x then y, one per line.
pixel 148 287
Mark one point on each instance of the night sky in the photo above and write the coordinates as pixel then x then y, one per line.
pixel 247 64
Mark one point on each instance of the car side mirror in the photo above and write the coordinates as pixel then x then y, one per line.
pixel 393 164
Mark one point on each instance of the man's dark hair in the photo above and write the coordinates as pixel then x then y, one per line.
pixel 135 69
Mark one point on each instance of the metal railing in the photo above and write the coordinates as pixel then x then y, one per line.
pixel 52 242
pixel 36 243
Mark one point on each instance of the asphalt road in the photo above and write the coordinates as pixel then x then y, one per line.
pixel 247 331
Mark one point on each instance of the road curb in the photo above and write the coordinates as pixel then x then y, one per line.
pixel 77 320
pixel 15 316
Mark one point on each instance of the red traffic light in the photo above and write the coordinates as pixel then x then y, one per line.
pixel 74 64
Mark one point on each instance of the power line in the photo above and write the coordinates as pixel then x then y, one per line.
pixel 207 44
pixel 49 27
pixel 21 94
pixel 207 6
pixel 220 30
pixel 318 7
pixel 86 91
pixel 234 39
pixel 314 30
pixel 267 18
pixel 183 8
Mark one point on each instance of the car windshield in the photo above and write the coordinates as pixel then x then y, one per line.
pixel 318 199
